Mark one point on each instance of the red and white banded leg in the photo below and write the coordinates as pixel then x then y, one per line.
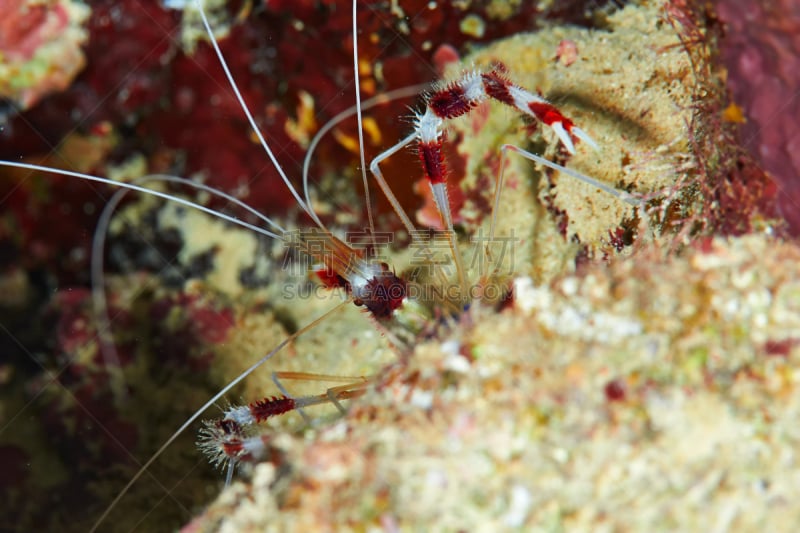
pixel 453 100
pixel 230 439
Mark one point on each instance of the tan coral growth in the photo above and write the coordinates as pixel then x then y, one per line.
pixel 631 88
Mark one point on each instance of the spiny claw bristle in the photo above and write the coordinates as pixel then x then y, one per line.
pixel 210 439
pixel 582 135
pixel 566 140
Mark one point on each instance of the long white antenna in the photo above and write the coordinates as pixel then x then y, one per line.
pixel 151 192
pixel 107 347
pixel 396 94
pixel 360 127
pixel 246 110
pixel 208 404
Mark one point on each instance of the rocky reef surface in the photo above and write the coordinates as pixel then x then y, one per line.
pixel 643 375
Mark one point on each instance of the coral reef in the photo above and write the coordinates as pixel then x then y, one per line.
pixel 648 394
pixel 591 380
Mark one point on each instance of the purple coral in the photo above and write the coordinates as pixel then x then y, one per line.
pixel 761 51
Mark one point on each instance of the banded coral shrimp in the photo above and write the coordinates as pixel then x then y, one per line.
pixel 539 271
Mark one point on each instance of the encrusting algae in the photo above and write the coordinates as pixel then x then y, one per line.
pixel 653 394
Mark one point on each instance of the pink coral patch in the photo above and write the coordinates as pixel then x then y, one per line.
pixel 567 52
